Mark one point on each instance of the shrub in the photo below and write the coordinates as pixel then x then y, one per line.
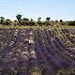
pixel 39 18
pixel 7 22
pixel 60 20
pixel 22 23
pixel 62 23
pixel 27 22
pixel 56 20
pixel 19 17
pixel 43 23
pixel 47 23
pixel 31 19
pixel 39 22
pixel 71 23
pixel 31 23
pixel 1 20
pixel 25 19
pixel 48 18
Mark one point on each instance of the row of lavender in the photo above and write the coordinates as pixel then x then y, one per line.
pixel 59 56
pixel 37 52
pixel 14 51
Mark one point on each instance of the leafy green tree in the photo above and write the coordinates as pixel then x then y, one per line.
pixel 25 19
pixel 47 23
pixel 39 18
pixel 2 19
pixel 15 20
pixel 7 22
pixel 19 17
pixel 39 22
pixel 56 20
pixel 31 23
pixel 60 20
pixel 71 23
pixel 31 19
pixel 48 18
pixel 43 23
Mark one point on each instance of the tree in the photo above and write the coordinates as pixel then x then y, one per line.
pixel 7 22
pixel 60 20
pixel 48 18
pixel 47 23
pixel 15 20
pixel 2 19
pixel 39 18
pixel 19 17
pixel 39 22
pixel 31 19
pixel 25 19
pixel 71 23
pixel 56 20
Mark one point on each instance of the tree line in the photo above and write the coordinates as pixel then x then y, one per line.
pixel 26 21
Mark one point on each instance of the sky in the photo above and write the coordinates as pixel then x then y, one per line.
pixel 55 9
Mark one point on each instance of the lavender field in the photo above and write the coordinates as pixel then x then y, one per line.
pixel 37 51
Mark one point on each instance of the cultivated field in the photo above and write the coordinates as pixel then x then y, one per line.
pixel 37 50
pixel 34 27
